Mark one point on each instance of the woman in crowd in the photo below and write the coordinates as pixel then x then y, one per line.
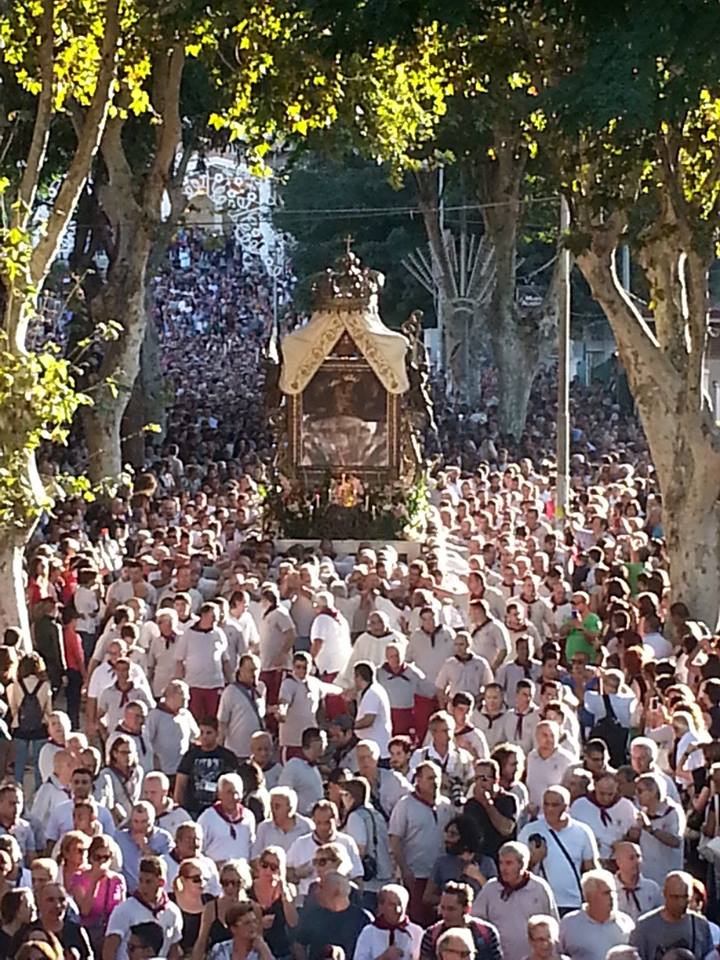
pixel 247 942
pixel 328 858
pixel 368 828
pixel 72 856
pixel 235 881
pixel 30 702
pixel 17 911
pixel 190 897
pixel 122 778
pixel 660 830
pixel 276 899
pixel 97 890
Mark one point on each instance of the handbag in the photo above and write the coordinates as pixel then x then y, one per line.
pixel 369 860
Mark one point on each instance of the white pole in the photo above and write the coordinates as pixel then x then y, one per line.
pixel 563 414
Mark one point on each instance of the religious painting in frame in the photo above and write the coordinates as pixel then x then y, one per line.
pixel 345 421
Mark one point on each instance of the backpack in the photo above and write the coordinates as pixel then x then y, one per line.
pixel 30 714
pixel 613 733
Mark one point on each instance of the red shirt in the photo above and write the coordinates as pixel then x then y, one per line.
pixel 73 648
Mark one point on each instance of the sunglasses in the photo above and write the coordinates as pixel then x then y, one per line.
pixel 195 878
pixel 101 857
pixel 321 861
pixel 269 866
pixel 228 882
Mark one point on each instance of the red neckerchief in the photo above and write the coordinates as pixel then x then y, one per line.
pixel 519 717
pixel 330 613
pixel 240 810
pixel 56 744
pixel 491 720
pixel 252 687
pixel 426 803
pixel 155 909
pixel 269 610
pixel 395 673
pixel 433 635
pixel 605 817
pixel 124 694
pixel 169 641
pixel 466 729
pixel 508 889
pixel 382 924
pixel 632 893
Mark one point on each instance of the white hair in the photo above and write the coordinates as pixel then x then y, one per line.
pixel 370 745
pixel 596 878
pixel 559 791
pixel 234 779
pixel 290 796
pixel 400 892
pixel 647 744
pixel 144 806
pixel 161 778
pixel 544 920
pixel 513 848
pixel 456 933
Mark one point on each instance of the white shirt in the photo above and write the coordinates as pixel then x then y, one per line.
pixel 303 850
pixel 203 653
pixel 623 704
pixel 50 794
pixel 227 841
pixel 646 896
pixel 305 780
pixel 374 702
pixel 373 942
pixel 623 816
pixel 578 840
pixel 270 835
pixel 583 938
pixel 661 647
pixel 132 911
pixel 61 820
pixel 239 717
pixel 104 676
pixel 336 648
pixel 542 774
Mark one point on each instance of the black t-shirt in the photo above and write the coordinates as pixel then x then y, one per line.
pixel 507 805
pixel 203 769
pixel 319 928
pixel 73 937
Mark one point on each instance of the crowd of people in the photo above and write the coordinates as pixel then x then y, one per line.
pixel 505 748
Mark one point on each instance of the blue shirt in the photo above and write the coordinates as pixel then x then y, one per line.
pixel 160 842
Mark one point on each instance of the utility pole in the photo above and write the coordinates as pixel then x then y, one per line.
pixel 562 499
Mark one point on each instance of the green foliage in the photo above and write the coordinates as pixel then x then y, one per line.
pixel 383 512
pixel 38 399
pixel 380 239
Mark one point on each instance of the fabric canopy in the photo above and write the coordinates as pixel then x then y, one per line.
pixel 304 350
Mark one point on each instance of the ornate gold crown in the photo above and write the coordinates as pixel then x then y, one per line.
pixel 348 283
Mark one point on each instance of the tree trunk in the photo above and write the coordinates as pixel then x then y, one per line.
pixel 101 424
pixel 132 437
pixel 456 333
pixel 13 608
pixel 123 299
pixel 691 523
pixel 681 434
pixel 516 364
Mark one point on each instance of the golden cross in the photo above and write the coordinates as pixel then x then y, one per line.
pixel 349 239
